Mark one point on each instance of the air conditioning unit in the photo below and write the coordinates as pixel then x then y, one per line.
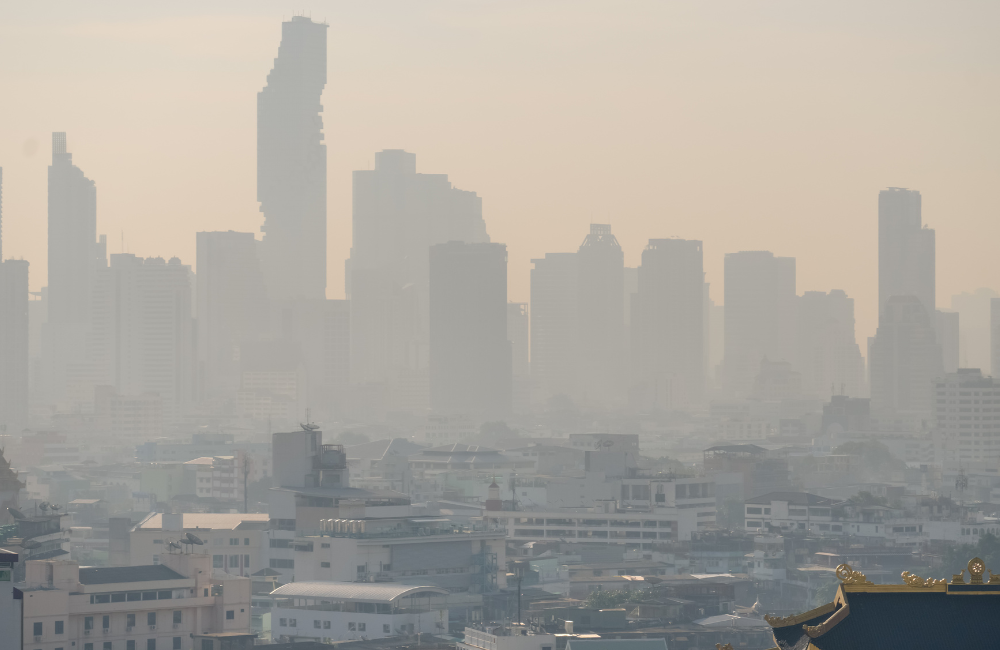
pixel 86 632
pixel 38 639
pixel 177 626
pixel 152 627
pixel 107 630
pixel 128 628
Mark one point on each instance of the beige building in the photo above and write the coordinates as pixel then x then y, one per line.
pixel 235 542
pixel 179 604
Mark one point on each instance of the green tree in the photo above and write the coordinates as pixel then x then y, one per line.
pixel 956 558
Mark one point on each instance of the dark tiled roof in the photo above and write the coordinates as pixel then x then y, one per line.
pixel 898 621
pixel 113 574
pixel 793 499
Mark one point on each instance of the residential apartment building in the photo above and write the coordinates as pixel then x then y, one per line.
pixel 237 543
pixel 180 604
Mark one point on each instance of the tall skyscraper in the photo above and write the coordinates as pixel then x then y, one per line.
pixel 231 307
pixel 995 337
pixel 554 316
pixel 74 257
pixel 905 249
pixel 668 360
pixel 14 345
pixel 905 360
pixel 600 321
pixel 470 355
pixel 518 329
pixel 760 315
pixel 830 360
pixel 147 322
pixel 398 215
pixel 974 327
pixel 948 330
pixel 291 164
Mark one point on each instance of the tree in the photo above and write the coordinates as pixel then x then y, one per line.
pixel 956 558
pixel 612 598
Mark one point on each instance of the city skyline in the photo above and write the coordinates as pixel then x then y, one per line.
pixel 768 215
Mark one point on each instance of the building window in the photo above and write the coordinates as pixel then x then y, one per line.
pixel 282 564
pixel 326 625
pixel 206 644
pixel 352 626
pixel 106 622
pixel 234 541
pixel 107 645
pixel 361 627
pixel 130 644
pixel 293 622
pixel 234 561
pixel 386 630
pixel 88 646
pixel 177 617
pixel 216 561
pixel 246 561
pixel 177 643
pixel 88 623
pixel 38 629
pixel 325 565
pixel 156 559
pixel 130 621
pixel 230 614
pixel 316 623
pixel 283 622
pixel 150 644
pixel 151 618
pixel 59 627
pixel 246 541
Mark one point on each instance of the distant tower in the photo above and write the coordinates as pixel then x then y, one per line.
pixel 760 315
pixel 554 316
pixel 600 319
pixel 905 249
pixel 470 358
pixel 291 164
pixel 493 500
pixel 667 327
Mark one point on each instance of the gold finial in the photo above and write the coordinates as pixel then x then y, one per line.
pixel 976 570
pixel 849 576
pixel 719 646
pixel 994 578
pixel 958 578
pixel 916 581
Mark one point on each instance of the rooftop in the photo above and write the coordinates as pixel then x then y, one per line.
pixel 616 644
pixel 793 499
pixel 117 574
pixel 368 592
pixel 204 520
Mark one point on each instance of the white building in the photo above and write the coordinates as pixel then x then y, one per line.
pixel 237 543
pixel 180 604
pixel 792 511
pixel 500 638
pixel 343 611
pixel 10 607
pixel 964 413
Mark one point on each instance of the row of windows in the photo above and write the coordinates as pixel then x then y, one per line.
pixel 352 626
pixel 234 561
pixel 88 622
pixel 130 645
pixel 130 596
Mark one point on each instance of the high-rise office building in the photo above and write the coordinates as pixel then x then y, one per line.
pixel 830 360
pixel 554 316
pixel 974 327
pixel 397 215
pixel 291 164
pixel 231 307
pixel 13 345
pixel 337 351
pixel 905 360
pixel 667 326
pixel 905 249
pixel 601 359
pixel 146 319
pixel 948 330
pixel 74 257
pixel 963 415
pixel 760 315
pixel 470 355
pixel 518 329
pixel 995 337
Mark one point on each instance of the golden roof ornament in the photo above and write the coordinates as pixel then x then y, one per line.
pixel 849 576
pixel 921 583
pixel 976 570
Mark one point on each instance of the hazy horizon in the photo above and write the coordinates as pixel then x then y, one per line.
pixel 764 127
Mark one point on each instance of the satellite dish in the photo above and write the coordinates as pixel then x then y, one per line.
pixel 16 514
pixel 30 544
pixel 172 545
pixel 309 427
pixel 191 538
pixel 44 506
pixel 55 507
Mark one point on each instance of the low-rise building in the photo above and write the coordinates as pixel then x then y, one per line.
pixel 237 543
pixel 505 638
pixel 791 511
pixel 343 611
pixel 179 604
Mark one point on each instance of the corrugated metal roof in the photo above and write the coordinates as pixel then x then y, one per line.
pixel 369 592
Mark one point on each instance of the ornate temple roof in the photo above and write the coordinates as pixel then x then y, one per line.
pixel 920 613
pixel 8 477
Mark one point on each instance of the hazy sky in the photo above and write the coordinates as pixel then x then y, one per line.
pixel 749 125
